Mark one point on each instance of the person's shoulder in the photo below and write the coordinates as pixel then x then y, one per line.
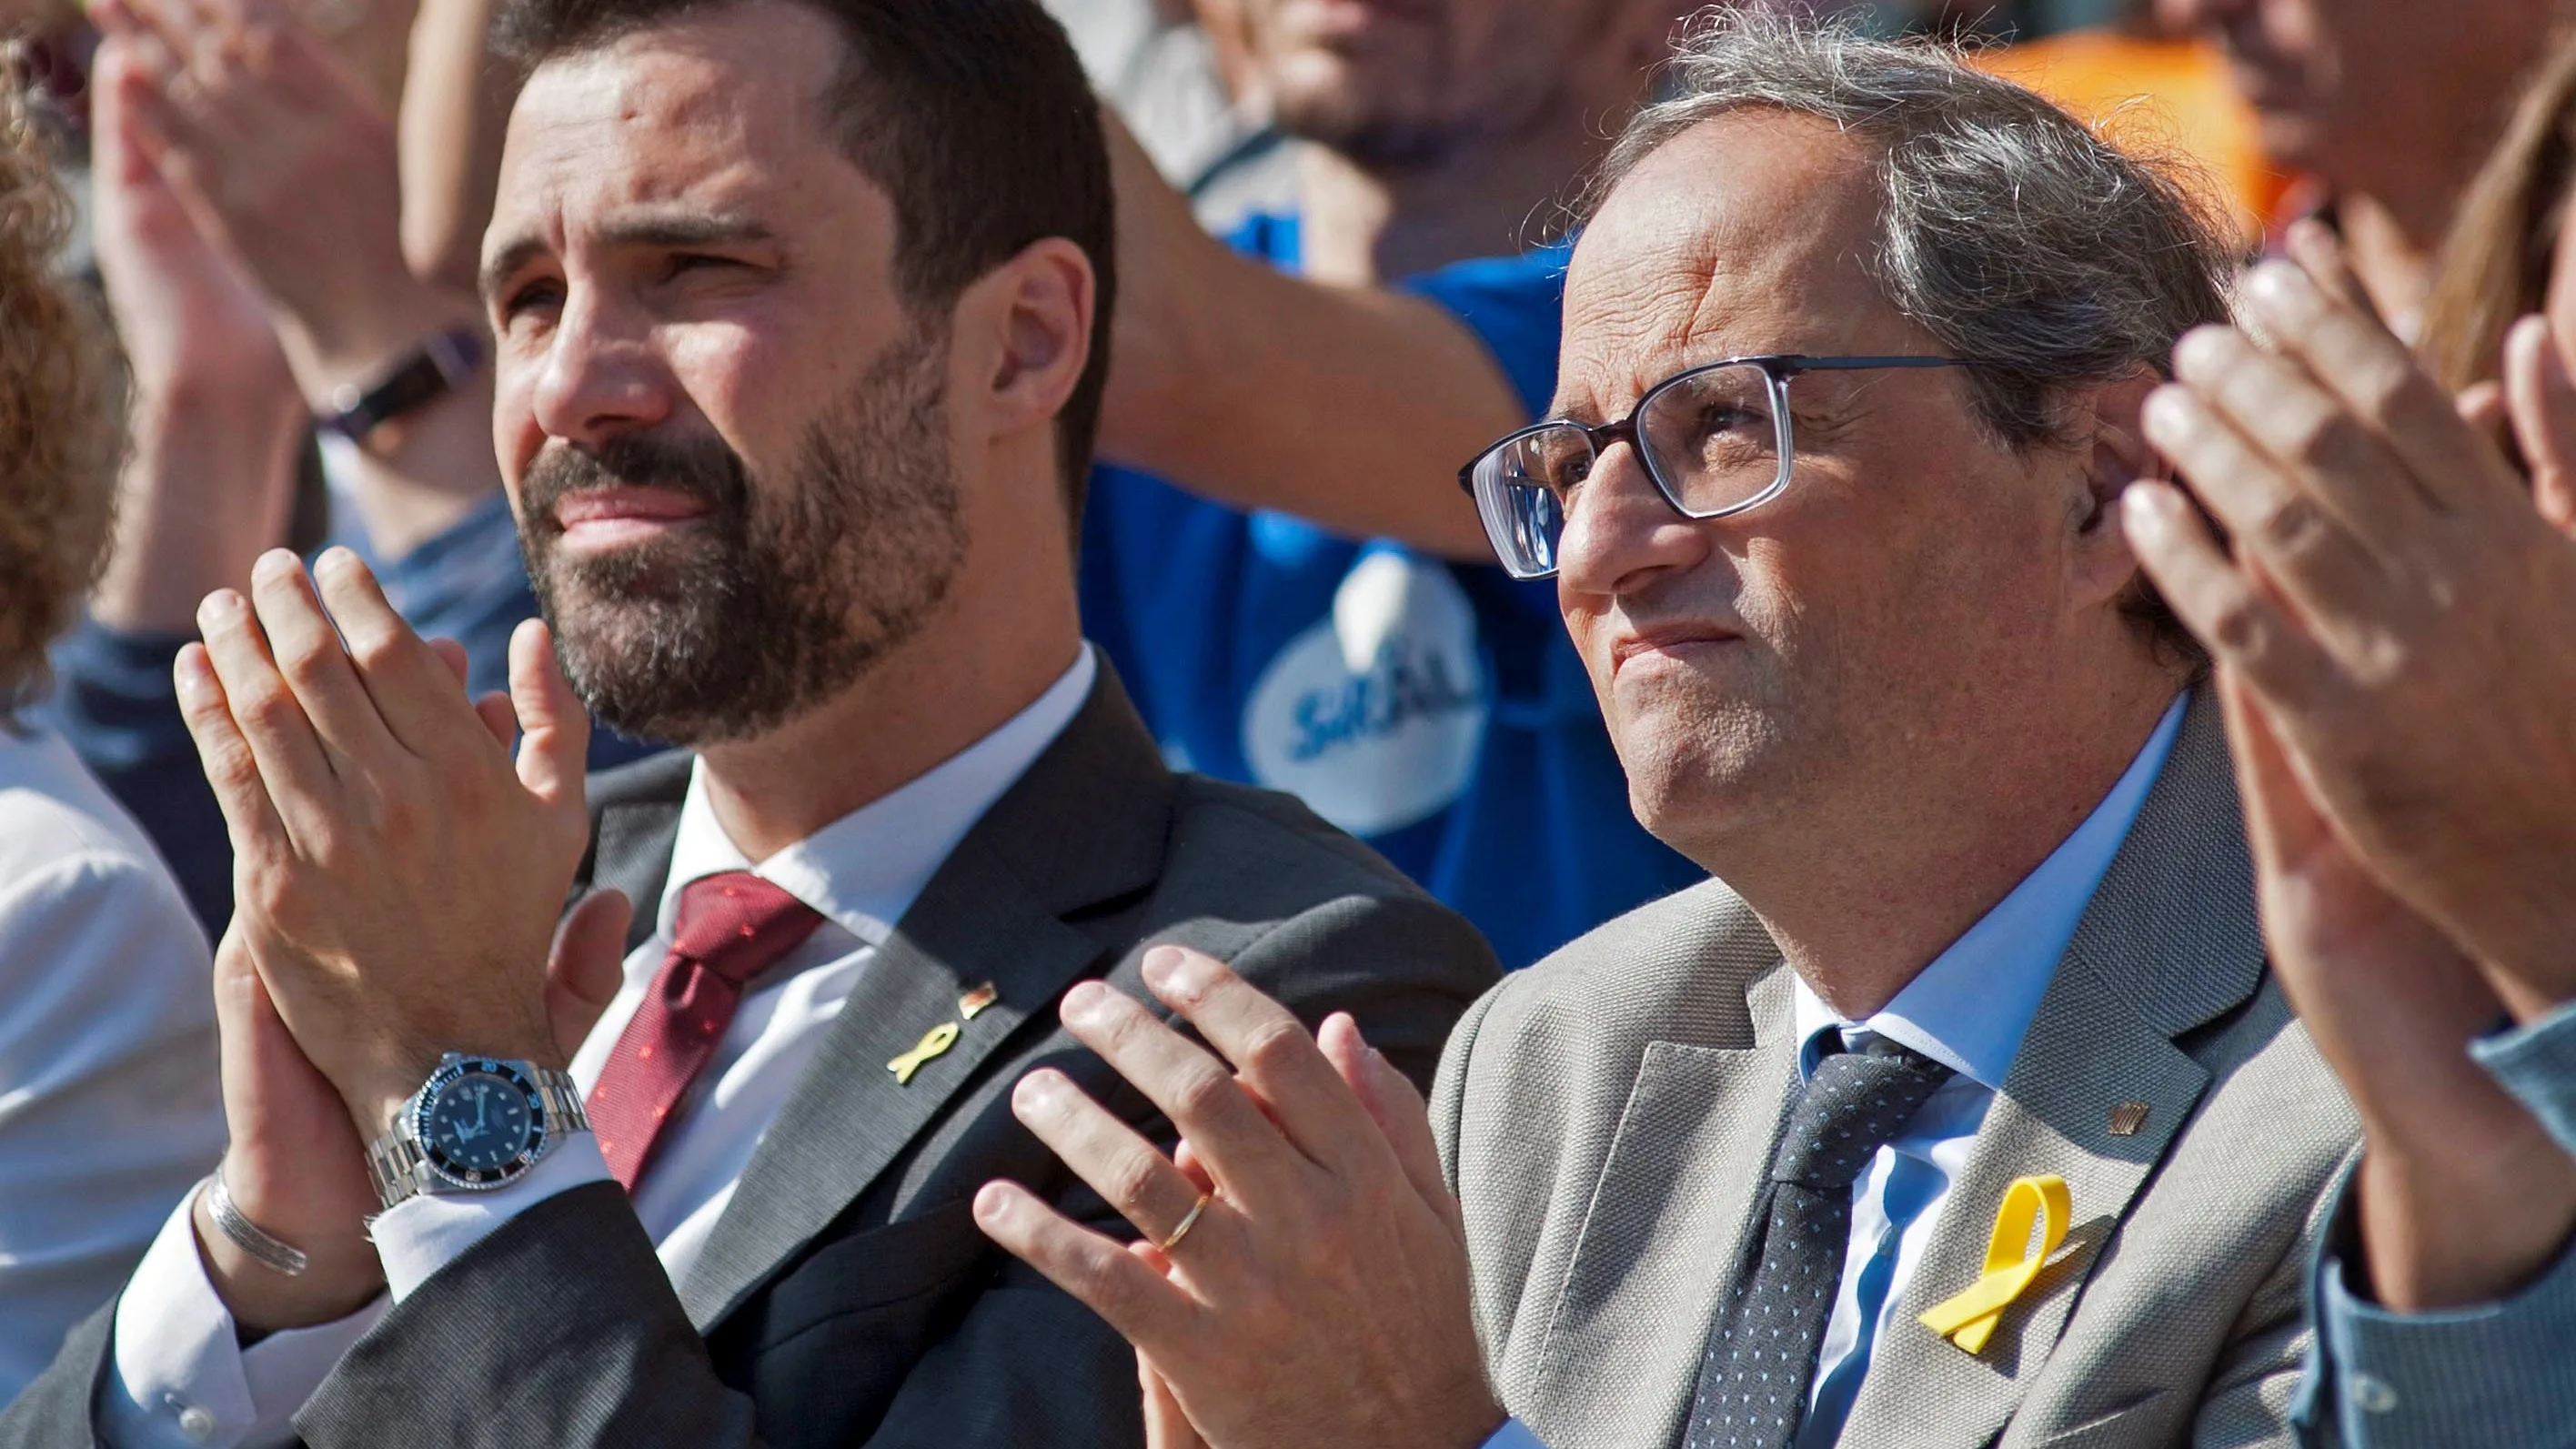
pixel 1315 918
pixel 58 822
pixel 1674 969
pixel 1269 854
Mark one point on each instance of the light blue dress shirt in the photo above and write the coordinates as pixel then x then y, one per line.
pixel 1968 1010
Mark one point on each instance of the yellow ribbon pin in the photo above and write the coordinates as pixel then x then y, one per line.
pixel 940 1039
pixel 1969 1319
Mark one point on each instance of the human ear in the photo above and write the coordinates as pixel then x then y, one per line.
pixel 2115 454
pixel 1036 311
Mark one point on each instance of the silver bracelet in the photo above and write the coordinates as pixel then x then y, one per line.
pixel 247 1235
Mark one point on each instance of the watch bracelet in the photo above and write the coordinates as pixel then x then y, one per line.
pixel 269 1250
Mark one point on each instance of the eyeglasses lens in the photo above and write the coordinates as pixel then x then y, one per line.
pixel 1714 438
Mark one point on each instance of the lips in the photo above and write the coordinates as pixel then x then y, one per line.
pixel 1670 640
pixel 607 517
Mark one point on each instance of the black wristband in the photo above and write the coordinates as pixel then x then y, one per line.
pixel 430 373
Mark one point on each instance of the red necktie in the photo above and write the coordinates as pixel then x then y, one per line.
pixel 732 927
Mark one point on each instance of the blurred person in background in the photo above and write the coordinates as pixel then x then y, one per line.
pixel 2155 93
pixel 282 264
pixel 108 1108
pixel 1281 564
pixel 2510 254
pixel 2387 107
pixel 1180 76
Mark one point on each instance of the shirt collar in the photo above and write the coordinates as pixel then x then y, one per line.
pixel 1969 1009
pixel 863 870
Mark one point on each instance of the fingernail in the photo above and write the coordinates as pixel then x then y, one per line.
pixel 2203 347
pixel 337 559
pixel 223 606
pixel 2275 280
pixel 2168 409
pixel 190 676
pixel 1181 976
pixel 1038 1088
pixel 2149 509
pixel 1085 1003
pixel 1160 963
pixel 993 1203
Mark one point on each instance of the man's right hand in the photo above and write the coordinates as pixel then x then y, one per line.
pixel 2464 1196
pixel 2395 601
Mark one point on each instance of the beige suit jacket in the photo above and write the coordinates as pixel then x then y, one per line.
pixel 1607 1116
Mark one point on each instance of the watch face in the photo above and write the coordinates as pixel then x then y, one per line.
pixel 480 1126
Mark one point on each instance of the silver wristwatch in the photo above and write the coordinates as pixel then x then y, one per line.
pixel 478 1123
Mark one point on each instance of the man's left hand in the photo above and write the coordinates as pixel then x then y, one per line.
pixel 1321 1294
pixel 399 877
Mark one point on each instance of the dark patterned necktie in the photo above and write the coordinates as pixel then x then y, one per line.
pixel 1762 1351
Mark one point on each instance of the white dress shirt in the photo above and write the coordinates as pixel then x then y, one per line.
pixel 109 1109
pixel 180 1378
pixel 1967 1010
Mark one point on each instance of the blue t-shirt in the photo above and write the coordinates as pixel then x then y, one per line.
pixel 1436 710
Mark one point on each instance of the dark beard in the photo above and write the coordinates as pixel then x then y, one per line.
pixel 784 593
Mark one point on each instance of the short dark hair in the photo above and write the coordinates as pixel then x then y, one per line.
pixel 974 115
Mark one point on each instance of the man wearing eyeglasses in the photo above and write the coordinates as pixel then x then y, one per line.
pixel 1961 1109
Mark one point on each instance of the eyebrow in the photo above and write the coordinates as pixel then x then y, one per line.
pixel 665 230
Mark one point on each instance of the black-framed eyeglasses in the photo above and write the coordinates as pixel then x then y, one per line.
pixel 1715 439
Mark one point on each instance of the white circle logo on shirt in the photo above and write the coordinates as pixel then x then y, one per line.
pixel 1374 716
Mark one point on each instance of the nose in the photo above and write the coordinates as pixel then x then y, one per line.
pixel 600 374
pixel 1621 535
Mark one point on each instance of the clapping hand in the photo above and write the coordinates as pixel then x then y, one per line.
pixel 2463 1194
pixel 1319 1295
pixel 280 156
pixel 399 876
pixel 2394 604
pixel 2401 700
pixel 349 799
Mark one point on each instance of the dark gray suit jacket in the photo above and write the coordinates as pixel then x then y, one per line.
pixel 846 1296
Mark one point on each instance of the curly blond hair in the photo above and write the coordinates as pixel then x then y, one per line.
pixel 61 420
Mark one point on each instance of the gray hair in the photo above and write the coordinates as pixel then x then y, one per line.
pixel 2009 231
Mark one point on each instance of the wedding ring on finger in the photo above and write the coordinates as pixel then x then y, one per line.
pixel 1188 1221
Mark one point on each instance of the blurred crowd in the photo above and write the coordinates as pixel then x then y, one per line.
pixel 1446 723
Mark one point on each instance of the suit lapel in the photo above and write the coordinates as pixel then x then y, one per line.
pixel 636 816
pixel 1086 825
pixel 1669 1218
pixel 2169 943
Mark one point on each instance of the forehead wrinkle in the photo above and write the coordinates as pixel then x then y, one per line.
pixel 1745 236
pixel 575 144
